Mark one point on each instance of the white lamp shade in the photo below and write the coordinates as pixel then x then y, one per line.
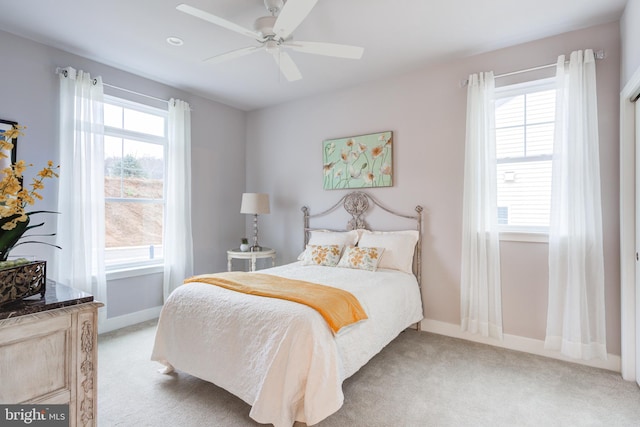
pixel 255 203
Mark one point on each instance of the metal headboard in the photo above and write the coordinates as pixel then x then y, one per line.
pixel 356 204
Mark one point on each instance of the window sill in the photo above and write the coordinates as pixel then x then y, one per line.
pixel 127 272
pixel 520 236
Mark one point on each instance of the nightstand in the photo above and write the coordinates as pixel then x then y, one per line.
pixel 253 256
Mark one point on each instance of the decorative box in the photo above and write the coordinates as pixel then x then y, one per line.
pixel 22 281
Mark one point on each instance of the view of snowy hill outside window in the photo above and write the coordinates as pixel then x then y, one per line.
pixel 525 123
pixel 135 140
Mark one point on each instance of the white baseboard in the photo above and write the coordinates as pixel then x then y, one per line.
pixel 514 342
pixel 511 342
pixel 128 319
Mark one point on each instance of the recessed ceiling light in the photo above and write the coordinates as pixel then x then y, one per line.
pixel 175 41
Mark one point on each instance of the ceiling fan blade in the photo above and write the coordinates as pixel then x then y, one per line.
pixel 288 68
pixel 326 49
pixel 233 54
pixel 190 10
pixel 291 15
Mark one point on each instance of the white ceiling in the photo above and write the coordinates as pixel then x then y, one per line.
pixel 397 36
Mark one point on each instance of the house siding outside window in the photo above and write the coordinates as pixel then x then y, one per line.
pixel 525 117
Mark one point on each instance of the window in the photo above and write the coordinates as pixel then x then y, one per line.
pixel 134 150
pixel 503 215
pixel 525 117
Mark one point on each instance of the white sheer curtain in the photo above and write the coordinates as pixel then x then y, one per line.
pixel 576 311
pixel 480 293
pixel 80 224
pixel 178 241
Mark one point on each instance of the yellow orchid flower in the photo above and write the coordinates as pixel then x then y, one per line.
pixel 14 197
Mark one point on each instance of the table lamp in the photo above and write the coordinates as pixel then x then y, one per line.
pixel 254 204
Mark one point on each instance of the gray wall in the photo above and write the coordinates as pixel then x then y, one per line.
pixel 29 89
pixel 630 32
pixel 426 110
pixel 278 150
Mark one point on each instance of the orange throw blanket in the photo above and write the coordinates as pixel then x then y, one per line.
pixel 338 307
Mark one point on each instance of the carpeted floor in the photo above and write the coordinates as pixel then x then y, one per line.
pixel 420 379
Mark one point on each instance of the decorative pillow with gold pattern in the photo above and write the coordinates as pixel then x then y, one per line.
pixel 327 255
pixel 361 258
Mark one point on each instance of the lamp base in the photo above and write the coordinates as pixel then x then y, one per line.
pixel 255 248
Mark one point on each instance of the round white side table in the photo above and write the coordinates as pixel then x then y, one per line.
pixel 252 255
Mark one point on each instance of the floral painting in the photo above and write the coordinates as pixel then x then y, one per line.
pixel 363 161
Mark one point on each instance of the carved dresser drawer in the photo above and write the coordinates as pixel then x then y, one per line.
pixel 48 353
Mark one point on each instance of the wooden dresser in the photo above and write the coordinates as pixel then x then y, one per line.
pixel 48 352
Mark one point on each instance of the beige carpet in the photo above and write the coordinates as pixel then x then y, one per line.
pixel 420 379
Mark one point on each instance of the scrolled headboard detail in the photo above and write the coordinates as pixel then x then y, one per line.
pixel 357 203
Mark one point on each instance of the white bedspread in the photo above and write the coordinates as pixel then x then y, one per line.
pixel 279 356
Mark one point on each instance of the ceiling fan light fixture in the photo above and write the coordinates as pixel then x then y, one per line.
pixel 271 46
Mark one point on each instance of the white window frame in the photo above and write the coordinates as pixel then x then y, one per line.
pixel 524 233
pixel 134 268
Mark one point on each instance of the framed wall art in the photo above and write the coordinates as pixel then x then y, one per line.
pixel 364 161
pixel 11 154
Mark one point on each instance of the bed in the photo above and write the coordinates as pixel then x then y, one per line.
pixel 281 357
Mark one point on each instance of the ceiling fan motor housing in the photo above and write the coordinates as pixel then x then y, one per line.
pixel 264 25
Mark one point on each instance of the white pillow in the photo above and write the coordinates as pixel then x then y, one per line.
pixel 325 237
pixel 399 247
pixel 341 238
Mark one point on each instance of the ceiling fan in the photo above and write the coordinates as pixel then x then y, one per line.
pixel 274 35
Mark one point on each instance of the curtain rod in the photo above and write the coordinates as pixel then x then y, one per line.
pixel 134 92
pixel 599 54
pixel 64 72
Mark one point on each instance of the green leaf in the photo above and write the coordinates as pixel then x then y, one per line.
pixel 9 238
